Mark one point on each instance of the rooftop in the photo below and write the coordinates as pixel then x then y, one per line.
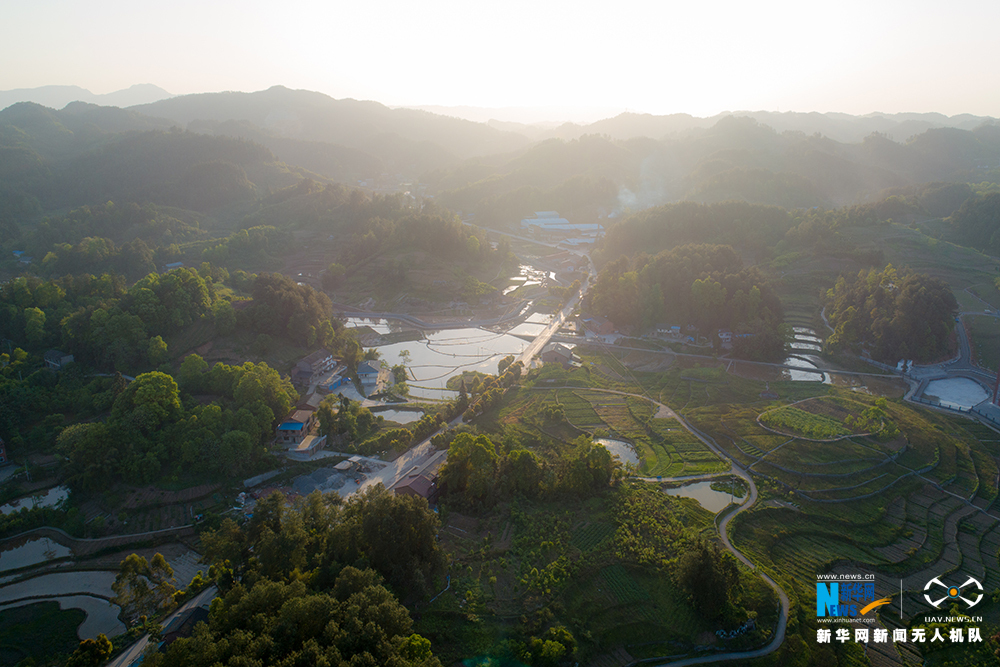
pixel 367 367
pixel 315 357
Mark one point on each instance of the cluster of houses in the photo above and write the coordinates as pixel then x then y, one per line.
pixel 327 373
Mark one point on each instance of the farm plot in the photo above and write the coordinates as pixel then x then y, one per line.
pixel 676 452
pixel 990 544
pixel 640 408
pixel 621 587
pixel 614 411
pixel 766 443
pixel 911 536
pixel 578 411
pixel 797 422
pixel 826 457
pixel 965 482
pixel 591 536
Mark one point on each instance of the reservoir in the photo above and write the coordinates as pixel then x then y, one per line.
pixel 960 393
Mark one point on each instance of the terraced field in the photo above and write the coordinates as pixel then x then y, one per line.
pixel 579 411
pixel 911 510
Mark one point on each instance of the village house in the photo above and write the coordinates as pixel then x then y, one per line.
pixel 368 373
pixel 55 359
pixel 295 428
pixel 310 445
pixel 312 366
pixel 558 353
pixel 420 486
pixel 598 325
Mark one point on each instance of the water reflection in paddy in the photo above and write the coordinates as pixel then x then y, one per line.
pixel 445 354
pixel 31 551
pixel 50 498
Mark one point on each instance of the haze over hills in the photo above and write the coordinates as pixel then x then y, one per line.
pixel 838 126
pixel 205 246
pixel 57 97
pixel 498 171
pixel 365 125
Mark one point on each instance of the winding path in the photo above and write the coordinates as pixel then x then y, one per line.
pixel 665 411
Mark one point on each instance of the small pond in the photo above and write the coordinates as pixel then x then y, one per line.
pixel 712 500
pixel 620 449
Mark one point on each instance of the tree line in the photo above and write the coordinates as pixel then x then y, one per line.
pixel 703 285
pixel 317 583
pixel 893 314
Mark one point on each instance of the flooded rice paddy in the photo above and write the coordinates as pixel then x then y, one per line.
pixel 31 551
pixel 400 416
pixel 48 498
pixel 441 355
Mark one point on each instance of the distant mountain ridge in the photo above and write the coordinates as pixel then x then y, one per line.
pixel 837 126
pixel 57 97
pixel 393 135
pixel 87 153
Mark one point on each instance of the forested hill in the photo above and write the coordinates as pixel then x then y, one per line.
pixel 85 154
pixel 498 175
pixel 735 159
pixel 311 116
pixel 702 285
pixel 841 127
pixel 750 227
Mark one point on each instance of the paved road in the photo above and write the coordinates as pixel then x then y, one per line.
pixel 737 469
pixel 134 652
pixel 542 339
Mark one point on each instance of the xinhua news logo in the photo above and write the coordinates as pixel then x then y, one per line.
pixel 846 598
pixel 970 588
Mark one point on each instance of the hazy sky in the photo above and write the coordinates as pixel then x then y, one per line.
pixel 656 57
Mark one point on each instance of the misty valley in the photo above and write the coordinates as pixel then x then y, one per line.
pixel 294 380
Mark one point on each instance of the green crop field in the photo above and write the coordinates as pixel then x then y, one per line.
pixel 621 585
pixel 985 335
pixel 587 538
pixel 578 411
pixel 799 422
